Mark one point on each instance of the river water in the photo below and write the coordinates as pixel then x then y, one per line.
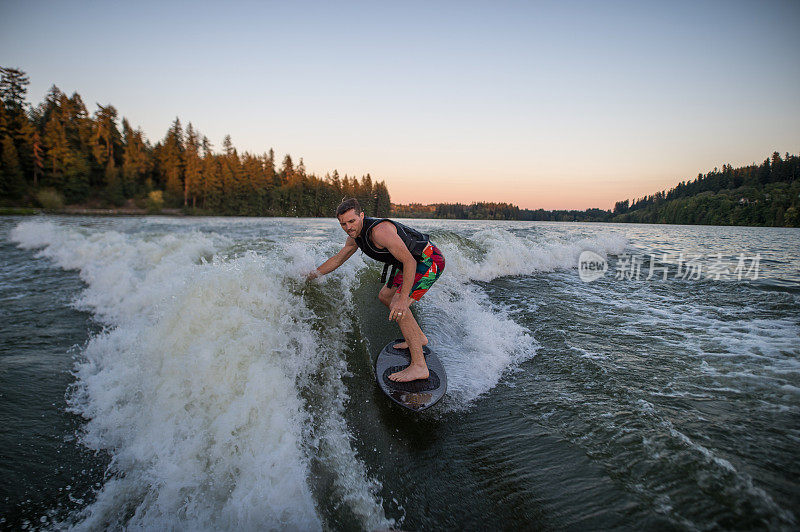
pixel 180 373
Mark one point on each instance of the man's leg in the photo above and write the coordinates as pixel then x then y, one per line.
pixel 428 270
pixel 404 345
pixel 413 335
pixel 385 295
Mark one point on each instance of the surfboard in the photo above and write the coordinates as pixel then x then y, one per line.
pixel 414 395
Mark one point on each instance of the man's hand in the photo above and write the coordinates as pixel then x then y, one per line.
pixel 334 262
pixel 399 307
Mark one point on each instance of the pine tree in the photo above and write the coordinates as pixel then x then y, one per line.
pixel 13 180
pixel 212 190
pixel 231 177
pixel 50 105
pixel 336 182
pixel 383 203
pixel 227 145
pixel 13 83
pixel 287 170
pixel 80 127
pixel 106 146
pixel 230 192
pixel 38 161
pixel 24 140
pixel 193 167
pixel 76 177
pixel 136 163
pixel 268 171
pixel 13 88
pixel 270 168
pixel 57 151
pixel 171 163
pixel 366 197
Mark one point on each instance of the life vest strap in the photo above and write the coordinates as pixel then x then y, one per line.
pixel 391 275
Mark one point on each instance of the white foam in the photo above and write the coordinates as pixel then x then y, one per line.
pixel 476 339
pixel 194 389
pixel 508 254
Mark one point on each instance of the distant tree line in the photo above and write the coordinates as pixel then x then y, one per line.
pixel 495 211
pixel 766 194
pixel 760 195
pixel 57 152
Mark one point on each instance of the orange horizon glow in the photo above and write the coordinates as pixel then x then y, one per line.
pixel 572 189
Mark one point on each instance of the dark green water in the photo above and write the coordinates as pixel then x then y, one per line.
pixel 170 373
pixel 43 472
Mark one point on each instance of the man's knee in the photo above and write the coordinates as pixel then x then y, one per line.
pixel 385 296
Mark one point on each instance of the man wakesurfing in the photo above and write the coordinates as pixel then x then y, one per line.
pixel 401 247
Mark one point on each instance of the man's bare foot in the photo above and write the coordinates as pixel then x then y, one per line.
pixel 404 345
pixel 411 373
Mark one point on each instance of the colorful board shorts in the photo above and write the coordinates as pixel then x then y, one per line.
pixel 429 268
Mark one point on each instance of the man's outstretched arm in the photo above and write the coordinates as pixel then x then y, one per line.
pixel 337 260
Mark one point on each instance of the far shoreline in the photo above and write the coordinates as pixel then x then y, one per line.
pixel 180 213
pixel 83 211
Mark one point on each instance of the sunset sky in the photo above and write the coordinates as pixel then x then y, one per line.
pixel 555 105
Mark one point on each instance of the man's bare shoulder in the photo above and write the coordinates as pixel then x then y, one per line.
pixel 383 232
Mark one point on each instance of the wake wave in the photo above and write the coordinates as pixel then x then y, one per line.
pixel 493 253
pixel 194 387
pixel 476 339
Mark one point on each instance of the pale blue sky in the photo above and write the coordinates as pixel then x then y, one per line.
pixel 543 104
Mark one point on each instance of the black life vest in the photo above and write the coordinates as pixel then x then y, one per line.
pixel 413 239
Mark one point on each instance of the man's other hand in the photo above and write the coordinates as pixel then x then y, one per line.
pixel 399 307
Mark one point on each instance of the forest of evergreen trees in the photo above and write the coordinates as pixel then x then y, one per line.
pixel 758 195
pixel 766 194
pixel 56 153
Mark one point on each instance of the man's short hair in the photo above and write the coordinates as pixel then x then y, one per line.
pixel 346 205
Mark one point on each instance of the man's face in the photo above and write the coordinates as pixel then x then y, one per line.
pixel 351 222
